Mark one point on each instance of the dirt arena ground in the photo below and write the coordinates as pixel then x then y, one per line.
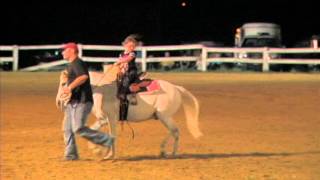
pixel 256 126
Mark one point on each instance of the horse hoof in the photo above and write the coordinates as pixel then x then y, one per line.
pixel 108 155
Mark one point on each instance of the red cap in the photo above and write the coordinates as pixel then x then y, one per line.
pixel 71 45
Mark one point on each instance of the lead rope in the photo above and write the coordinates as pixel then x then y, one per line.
pixel 132 131
pixel 131 128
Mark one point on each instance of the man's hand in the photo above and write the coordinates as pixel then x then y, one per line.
pixel 76 83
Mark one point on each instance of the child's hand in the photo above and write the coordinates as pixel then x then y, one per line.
pixel 66 90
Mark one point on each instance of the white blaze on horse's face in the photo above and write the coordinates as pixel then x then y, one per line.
pixel 62 99
pixel 64 77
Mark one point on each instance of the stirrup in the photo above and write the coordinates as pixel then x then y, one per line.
pixel 133 100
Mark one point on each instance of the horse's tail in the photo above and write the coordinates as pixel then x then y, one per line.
pixel 191 109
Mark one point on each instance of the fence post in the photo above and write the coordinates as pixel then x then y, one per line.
pixel 204 59
pixel 265 60
pixel 80 53
pixel 144 59
pixel 15 54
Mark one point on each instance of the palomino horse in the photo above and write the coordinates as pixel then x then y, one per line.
pixel 161 104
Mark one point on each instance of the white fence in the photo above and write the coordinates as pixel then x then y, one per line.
pixel 200 54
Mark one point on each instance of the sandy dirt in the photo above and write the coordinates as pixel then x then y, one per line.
pixel 256 126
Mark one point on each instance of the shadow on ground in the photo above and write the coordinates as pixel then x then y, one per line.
pixel 215 156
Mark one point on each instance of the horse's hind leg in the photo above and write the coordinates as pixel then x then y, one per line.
pixel 173 131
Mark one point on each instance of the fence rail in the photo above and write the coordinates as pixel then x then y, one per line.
pixel 200 54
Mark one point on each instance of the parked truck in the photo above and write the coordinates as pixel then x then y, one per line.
pixel 255 35
pixel 258 35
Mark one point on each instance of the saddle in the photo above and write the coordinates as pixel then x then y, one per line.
pixel 140 86
pixel 144 84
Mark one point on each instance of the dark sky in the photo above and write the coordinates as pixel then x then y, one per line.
pixel 158 21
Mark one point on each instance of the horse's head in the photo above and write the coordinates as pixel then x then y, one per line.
pixel 63 78
pixel 62 99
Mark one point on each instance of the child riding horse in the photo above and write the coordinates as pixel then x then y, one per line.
pixel 128 73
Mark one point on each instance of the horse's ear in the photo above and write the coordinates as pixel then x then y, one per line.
pixel 63 76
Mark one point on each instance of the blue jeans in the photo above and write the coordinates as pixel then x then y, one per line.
pixel 75 123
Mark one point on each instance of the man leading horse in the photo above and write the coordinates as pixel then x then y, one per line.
pixel 79 106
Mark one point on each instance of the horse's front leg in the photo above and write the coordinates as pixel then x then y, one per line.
pixel 113 130
pixel 101 119
pixel 111 153
pixel 98 125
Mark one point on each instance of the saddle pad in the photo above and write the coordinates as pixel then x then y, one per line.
pixel 154 86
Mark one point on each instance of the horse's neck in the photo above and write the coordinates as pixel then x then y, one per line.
pixel 102 78
pixel 111 73
pixel 112 70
